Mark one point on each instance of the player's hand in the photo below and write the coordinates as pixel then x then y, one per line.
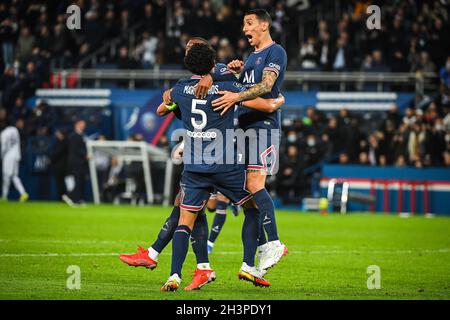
pixel 178 154
pixel 202 87
pixel 224 103
pixel 236 66
pixel 278 102
pixel 167 98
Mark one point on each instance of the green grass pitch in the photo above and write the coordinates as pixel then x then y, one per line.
pixel 328 257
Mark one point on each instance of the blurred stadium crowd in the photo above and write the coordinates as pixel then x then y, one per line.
pixel 414 38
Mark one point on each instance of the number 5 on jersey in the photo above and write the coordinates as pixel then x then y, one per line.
pixel 204 121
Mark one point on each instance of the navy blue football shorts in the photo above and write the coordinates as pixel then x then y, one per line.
pixel 196 188
pixel 261 152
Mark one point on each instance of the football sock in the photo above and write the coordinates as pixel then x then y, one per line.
pixel 199 238
pixel 153 254
pixel 219 220
pixel 203 266
pixel 262 236
pixel 167 230
pixel 267 213
pixel 180 246
pixel 250 233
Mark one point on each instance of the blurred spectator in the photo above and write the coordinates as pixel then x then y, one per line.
pixel 308 54
pixel 342 54
pixel 424 64
pixel 363 159
pixel 288 176
pixel 59 162
pixel 115 184
pixel 102 164
pixel 344 158
pixel 409 118
pixel 225 52
pixel 77 164
pixel 25 44
pixel 147 49
pixel 447 158
pixel 8 33
pixel 324 52
pixel 124 61
pixel 378 64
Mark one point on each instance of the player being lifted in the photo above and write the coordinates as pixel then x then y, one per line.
pixel 262 74
pixel 148 258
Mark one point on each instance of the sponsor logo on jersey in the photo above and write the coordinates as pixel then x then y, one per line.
pixel 202 135
pixel 249 77
pixel 274 65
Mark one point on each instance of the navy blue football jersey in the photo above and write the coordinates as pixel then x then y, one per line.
pixel 202 150
pixel 272 58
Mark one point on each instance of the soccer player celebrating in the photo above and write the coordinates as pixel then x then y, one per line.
pixel 262 74
pixel 200 178
pixel 148 257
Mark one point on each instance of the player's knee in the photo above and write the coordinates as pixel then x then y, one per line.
pixel 250 204
pixel 221 197
pixel 254 186
pixel 177 202
pixel 187 219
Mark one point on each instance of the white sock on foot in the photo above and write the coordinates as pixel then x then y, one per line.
pixel 153 254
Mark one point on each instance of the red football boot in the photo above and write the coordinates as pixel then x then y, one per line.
pixel 139 259
pixel 201 277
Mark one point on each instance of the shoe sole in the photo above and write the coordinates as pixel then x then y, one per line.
pixel 133 264
pixel 243 276
pixel 201 285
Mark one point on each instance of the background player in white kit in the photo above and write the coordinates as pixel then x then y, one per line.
pixel 11 155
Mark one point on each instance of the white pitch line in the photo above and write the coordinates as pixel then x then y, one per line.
pixel 415 251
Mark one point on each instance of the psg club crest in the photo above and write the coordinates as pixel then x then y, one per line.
pixel 258 61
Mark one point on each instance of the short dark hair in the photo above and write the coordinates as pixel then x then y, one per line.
pixel 200 39
pixel 261 15
pixel 200 59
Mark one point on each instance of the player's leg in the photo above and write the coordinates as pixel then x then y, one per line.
pixel 232 185
pixel 8 172
pixel 203 273
pixel 180 246
pixel 256 185
pixel 250 234
pixel 270 253
pixel 211 205
pixel 148 258
pixel 219 220
pixel 6 181
pixel 195 191
pixel 18 184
